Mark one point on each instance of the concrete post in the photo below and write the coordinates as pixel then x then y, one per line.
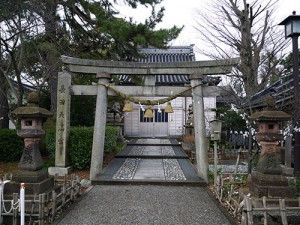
pixel 199 126
pixel 287 152
pixel 99 127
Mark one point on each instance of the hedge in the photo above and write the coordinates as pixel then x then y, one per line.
pixel 11 146
pixel 80 145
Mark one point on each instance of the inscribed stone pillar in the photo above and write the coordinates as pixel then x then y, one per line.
pixel 199 126
pixel 99 126
pixel 63 119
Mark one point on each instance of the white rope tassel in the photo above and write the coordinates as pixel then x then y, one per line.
pixel 143 109
pixel 159 110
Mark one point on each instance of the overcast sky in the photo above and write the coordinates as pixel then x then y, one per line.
pixel 182 12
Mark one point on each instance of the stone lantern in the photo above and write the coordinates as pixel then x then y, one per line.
pixel 267 180
pixel 31 163
pixel 215 129
pixel 215 135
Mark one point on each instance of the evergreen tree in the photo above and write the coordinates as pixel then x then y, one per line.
pixel 34 33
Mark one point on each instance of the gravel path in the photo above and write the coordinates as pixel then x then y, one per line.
pixel 145 205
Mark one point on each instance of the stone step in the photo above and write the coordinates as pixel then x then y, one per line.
pixel 151 161
pixel 154 142
pixel 149 171
pixel 152 152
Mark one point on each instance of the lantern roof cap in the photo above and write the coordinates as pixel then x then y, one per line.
pixel 289 18
pixel 32 109
pixel 270 115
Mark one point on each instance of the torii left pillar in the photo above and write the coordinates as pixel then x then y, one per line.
pixel 99 126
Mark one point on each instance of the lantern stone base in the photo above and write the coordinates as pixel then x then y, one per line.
pixel 25 176
pixel 287 171
pixel 36 182
pixel 269 164
pixel 44 186
pixel 31 159
pixel 270 185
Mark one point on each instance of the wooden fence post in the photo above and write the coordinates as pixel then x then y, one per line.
pixel 265 212
pixel 63 200
pixel 41 208
pixel 248 202
pixel 283 212
pixel 53 206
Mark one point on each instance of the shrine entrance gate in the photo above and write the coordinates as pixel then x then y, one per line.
pixel 196 70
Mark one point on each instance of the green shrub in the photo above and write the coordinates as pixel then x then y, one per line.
pixel 110 142
pixel 50 143
pixel 80 145
pixel 297 183
pixel 11 146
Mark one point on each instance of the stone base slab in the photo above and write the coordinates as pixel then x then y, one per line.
pixel 269 179
pixel 271 186
pixel 23 176
pixel 43 186
pixel 289 171
pixel 32 190
pixel 61 171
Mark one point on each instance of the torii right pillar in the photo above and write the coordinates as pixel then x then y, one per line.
pixel 199 125
pixel 196 78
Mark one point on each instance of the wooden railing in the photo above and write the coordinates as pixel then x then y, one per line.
pixel 226 192
pixel 248 210
pixel 45 207
pixel 266 207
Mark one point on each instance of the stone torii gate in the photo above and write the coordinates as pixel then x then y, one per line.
pixel 103 70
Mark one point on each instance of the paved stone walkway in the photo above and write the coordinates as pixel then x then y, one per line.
pixel 145 205
pixel 151 161
pixel 148 161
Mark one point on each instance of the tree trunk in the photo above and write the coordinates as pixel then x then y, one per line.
pixel 52 57
pixel 53 92
pixel 4 107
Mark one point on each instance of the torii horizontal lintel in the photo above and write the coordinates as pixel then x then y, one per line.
pixel 140 68
pixel 148 91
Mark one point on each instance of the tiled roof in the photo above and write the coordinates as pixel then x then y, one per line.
pixel 281 90
pixel 171 79
pixel 172 54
